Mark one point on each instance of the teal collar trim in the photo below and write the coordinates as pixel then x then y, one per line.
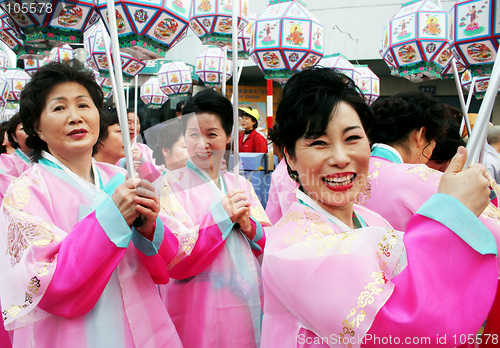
pixel 386 152
pixel 23 156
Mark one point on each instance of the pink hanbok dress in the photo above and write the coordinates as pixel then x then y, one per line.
pixel 73 273
pixel 281 193
pixel 215 299
pixel 326 285
pixel 14 164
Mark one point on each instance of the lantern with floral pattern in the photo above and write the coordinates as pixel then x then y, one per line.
pixel 341 63
pixel 286 39
pixel 95 56
pixel 175 78
pixel 17 79
pixel 51 23
pixel 244 38
pixel 475 34
pixel 368 83
pixel 209 66
pixel 151 93
pixel 415 43
pixel 10 34
pixel 148 29
pixel 481 83
pixel 212 21
pixel 31 65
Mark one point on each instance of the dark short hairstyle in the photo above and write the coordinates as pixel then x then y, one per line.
pixel 397 116
pixel 11 129
pixel 179 106
pixel 308 103
pixel 109 117
pixel 168 136
pixel 447 146
pixel 34 97
pixel 211 102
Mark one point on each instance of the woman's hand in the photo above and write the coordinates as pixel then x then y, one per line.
pixel 137 157
pixel 136 198
pixel 470 186
pixel 237 207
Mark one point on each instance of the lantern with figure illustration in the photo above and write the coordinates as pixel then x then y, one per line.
pixel 481 83
pixel 148 29
pixel 286 39
pixel 339 61
pixel 368 83
pixel 175 78
pixel 415 45
pixel 61 54
pixel 209 66
pixel 31 65
pixel 17 79
pixel 4 89
pixel 244 38
pixel 95 55
pixel 51 23
pixel 475 34
pixel 212 21
pixel 151 94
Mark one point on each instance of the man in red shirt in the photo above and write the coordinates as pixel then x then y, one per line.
pixel 250 140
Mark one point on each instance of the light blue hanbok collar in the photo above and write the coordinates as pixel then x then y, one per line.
pixel 386 152
pixel 309 202
pixel 222 190
pixel 23 156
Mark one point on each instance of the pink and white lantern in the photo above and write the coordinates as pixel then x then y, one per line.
pixel 151 94
pixel 95 56
pixel 17 79
pixel 210 66
pixel 475 34
pixel 51 23
pixel 341 63
pixel 148 29
pixel 175 78
pixel 212 22
pixel 415 43
pixel 481 83
pixel 32 65
pixel 369 83
pixel 286 39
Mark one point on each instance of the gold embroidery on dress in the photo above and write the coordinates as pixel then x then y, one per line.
pixel 13 310
pixel 365 298
pixel 365 194
pixel 421 170
pixel 257 211
pixel 491 212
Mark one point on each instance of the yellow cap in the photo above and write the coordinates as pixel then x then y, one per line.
pixel 252 112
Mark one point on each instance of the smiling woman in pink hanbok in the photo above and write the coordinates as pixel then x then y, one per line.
pixel 336 274
pixel 215 300
pixel 73 271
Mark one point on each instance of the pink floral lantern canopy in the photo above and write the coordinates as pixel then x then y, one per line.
pixel 415 43
pixel 481 83
pixel 286 39
pixel 95 55
pixel 151 94
pixel 17 79
pixel 369 83
pixel 210 66
pixel 212 21
pixel 341 63
pixel 148 29
pixel 175 78
pixel 51 23
pixel 475 34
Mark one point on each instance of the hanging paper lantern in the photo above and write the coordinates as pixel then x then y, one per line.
pixel 209 66
pixel 61 54
pixel 147 30
pixel 10 34
pixel 341 63
pixel 151 94
pixel 51 23
pixel 448 70
pixel 286 39
pixel 244 38
pixel 175 78
pixel 95 55
pixel 414 43
pixel 17 79
pixel 481 83
pixel 369 83
pixel 4 60
pixel 212 20
pixel 31 65
pixel 4 89
pixel 9 110
pixel 104 82
pixel 475 34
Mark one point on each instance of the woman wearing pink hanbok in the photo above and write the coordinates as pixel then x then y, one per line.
pixel 215 300
pixel 73 271
pixel 336 274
